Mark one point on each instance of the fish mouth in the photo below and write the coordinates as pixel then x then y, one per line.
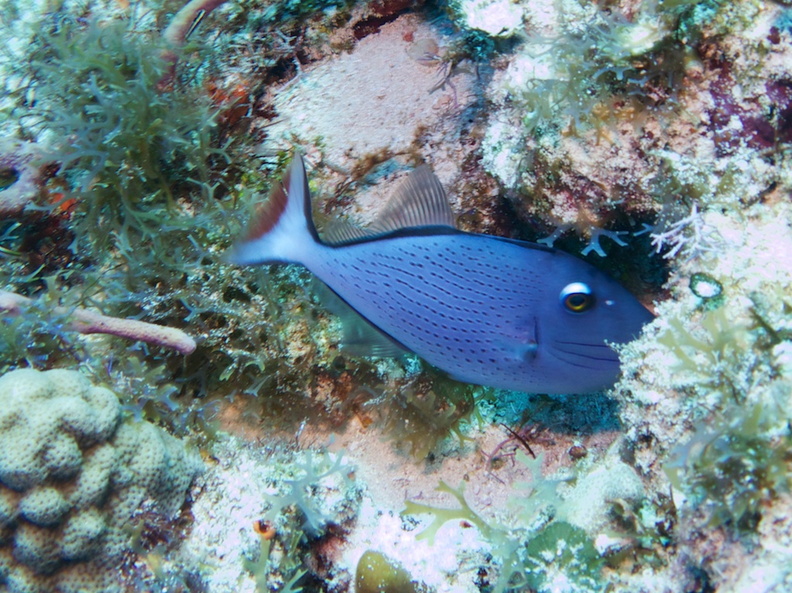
pixel 584 355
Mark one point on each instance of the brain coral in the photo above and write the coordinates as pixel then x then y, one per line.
pixel 72 475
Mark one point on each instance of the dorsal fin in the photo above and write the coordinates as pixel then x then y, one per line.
pixel 419 201
pixel 339 232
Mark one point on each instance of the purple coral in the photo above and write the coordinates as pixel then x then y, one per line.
pixel 91 322
pixel 175 34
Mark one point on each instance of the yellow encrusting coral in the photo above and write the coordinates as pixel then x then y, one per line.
pixel 73 476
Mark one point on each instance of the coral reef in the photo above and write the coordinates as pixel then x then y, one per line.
pixel 558 535
pixel 273 515
pixel 73 477
pixel 711 388
pixel 656 133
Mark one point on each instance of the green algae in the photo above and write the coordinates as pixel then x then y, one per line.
pixel 149 173
pixel 159 184
pixel 549 543
pixel 734 469
pixel 376 573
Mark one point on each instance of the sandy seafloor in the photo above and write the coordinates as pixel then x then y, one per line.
pixel 709 169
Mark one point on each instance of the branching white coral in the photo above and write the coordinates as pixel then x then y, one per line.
pixel 691 235
pixel 594 241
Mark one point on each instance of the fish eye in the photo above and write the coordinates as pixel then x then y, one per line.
pixel 577 297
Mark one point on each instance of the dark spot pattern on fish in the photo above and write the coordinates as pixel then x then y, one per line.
pixel 486 310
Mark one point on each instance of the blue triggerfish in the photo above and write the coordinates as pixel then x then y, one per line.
pixel 484 309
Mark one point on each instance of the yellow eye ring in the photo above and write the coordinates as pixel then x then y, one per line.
pixel 577 297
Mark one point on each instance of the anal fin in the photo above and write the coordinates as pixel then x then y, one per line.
pixel 360 336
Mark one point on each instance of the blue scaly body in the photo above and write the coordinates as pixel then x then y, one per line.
pixel 486 310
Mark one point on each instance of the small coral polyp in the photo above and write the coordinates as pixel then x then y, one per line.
pixel 73 473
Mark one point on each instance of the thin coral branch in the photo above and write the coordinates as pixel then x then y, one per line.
pixel 90 322
pixel 187 18
pixel 690 234
pixel 175 34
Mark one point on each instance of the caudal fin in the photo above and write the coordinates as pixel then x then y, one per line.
pixel 282 227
